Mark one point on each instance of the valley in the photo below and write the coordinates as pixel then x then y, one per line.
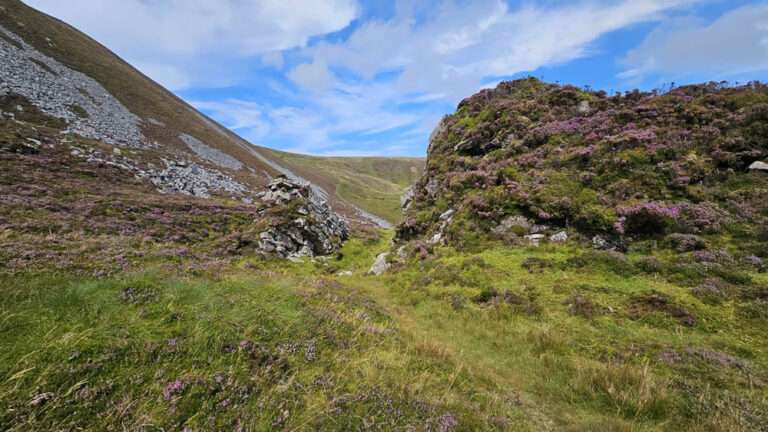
pixel 562 260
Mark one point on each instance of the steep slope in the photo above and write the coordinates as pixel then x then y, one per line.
pixel 108 89
pixel 373 184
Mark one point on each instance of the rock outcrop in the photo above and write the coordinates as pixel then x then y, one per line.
pixel 303 224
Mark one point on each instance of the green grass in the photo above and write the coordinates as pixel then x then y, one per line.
pixel 393 351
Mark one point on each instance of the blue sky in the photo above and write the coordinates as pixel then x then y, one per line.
pixel 373 77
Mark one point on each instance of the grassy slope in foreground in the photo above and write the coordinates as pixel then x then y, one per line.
pixel 374 184
pixel 267 345
pixel 122 308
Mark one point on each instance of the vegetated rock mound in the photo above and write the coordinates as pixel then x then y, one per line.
pixel 530 162
pixel 299 222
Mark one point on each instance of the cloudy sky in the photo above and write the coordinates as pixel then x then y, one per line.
pixel 373 77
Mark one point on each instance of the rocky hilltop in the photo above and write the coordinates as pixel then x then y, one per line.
pixel 530 162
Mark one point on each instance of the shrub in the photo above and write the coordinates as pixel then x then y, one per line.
pixel 646 219
pixel 687 242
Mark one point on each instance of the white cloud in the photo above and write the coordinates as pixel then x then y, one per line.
pixel 314 76
pixel 189 33
pixel 434 62
pixel 273 58
pixel 733 44
pixel 463 43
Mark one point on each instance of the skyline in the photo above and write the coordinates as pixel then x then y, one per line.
pixel 343 77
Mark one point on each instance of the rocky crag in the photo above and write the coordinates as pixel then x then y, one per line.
pixel 314 230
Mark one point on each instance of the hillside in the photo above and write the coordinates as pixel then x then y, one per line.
pixel 679 170
pixel 154 116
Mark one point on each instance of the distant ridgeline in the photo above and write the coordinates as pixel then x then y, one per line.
pixel 529 162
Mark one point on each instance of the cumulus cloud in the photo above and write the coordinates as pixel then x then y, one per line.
pixel 189 33
pixel 428 57
pixel 383 78
pixel 735 43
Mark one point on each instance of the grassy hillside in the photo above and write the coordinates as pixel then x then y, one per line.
pixel 374 184
pixel 527 339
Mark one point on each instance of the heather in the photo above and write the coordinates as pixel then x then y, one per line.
pixel 629 168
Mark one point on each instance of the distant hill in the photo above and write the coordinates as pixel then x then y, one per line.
pixel 374 184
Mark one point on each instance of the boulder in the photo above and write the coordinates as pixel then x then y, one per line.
pixel 560 237
pixel 380 265
pixel 607 243
pixel 759 166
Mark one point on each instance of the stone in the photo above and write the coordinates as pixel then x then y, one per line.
pixel 512 221
pixel 759 166
pixel 407 197
pixel 560 237
pixel 435 239
pixel 116 151
pixel 191 179
pixel 448 214
pixel 441 127
pixel 401 253
pixel 603 243
pixel 535 239
pixel 294 259
pixel 211 154
pixel 538 229
pixel 345 273
pixel 380 265
pixel 432 187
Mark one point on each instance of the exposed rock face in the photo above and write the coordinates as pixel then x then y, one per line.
pixel 407 197
pixel 191 179
pixel 317 230
pixel 211 154
pixel 61 92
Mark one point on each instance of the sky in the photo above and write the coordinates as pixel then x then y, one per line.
pixel 374 77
